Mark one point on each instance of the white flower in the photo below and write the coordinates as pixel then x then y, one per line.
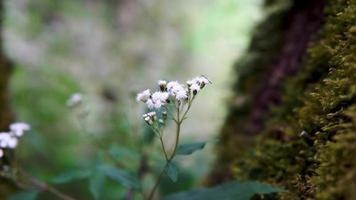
pixel 172 85
pixel 200 80
pixel 75 100
pixel 157 100
pixel 195 88
pixel 1 153
pixel 144 95
pixel 203 79
pixel 150 114
pixel 181 95
pixel 12 143
pixel 190 82
pixel 150 104
pixel 19 128
pixel 160 96
pixel 162 85
pixel 162 82
pixel 7 141
pixel 158 104
pixel 176 89
pixel 4 137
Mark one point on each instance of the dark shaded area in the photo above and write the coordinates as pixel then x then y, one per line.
pixel 6 116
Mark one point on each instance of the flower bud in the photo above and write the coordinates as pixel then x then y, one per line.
pixel 161 121
pixel 164 115
pixel 162 85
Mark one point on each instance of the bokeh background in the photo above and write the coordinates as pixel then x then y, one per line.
pixel 108 50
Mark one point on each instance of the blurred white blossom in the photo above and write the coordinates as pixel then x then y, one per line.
pixel 195 88
pixel 19 128
pixel 9 140
pixel 181 95
pixel 143 96
pixel 75 100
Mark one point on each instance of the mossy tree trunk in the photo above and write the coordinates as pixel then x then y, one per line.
pixel 293 116
pixel 6 116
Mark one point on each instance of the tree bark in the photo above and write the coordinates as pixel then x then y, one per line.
pixel 293 118
pixel 5 70
pixel 6 116
pixel 277 49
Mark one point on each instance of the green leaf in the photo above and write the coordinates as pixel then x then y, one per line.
pixel 120 176
pixel 187 149
pixel 70 176
pixel 27 195
pixel 171 171
pixel 120 153
pixel 96 184
pixel 228 191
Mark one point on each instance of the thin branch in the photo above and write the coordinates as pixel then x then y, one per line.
pixel 163 148
pixel 152 193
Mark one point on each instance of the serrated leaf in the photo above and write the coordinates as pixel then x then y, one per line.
pixel 187 149
pixel 120 176
pixel 232 190
pixel 171 171
pixel 96 184
pixel 27 195
pixel 71 176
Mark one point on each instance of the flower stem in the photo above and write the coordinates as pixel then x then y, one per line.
pixel 178 123
pixel 163 148
pixel 152 193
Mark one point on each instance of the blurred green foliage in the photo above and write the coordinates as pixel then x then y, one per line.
pixel 83 154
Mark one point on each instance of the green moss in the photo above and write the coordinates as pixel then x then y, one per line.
pixel 320 100
pixel 250 69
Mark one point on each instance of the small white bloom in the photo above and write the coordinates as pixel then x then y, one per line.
pixel 144 95
pixel 1 153
pixel 158 104
pixel 160 96
pixel 181 95
pixel 162 82
pixel 75 100
pixel 19 128
pixel 150 104
pixel 4 138
pixel 203 79
pixel 200 80
pixel 151 114
pixel 195 88
pixel 7 141
pixel 12 143
pixel 172 85
pixel 175 88
pixel 190 82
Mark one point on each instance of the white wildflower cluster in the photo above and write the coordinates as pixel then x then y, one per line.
pixel 9 140
pixel 172 91
pixel 180 96
pixel 75 100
